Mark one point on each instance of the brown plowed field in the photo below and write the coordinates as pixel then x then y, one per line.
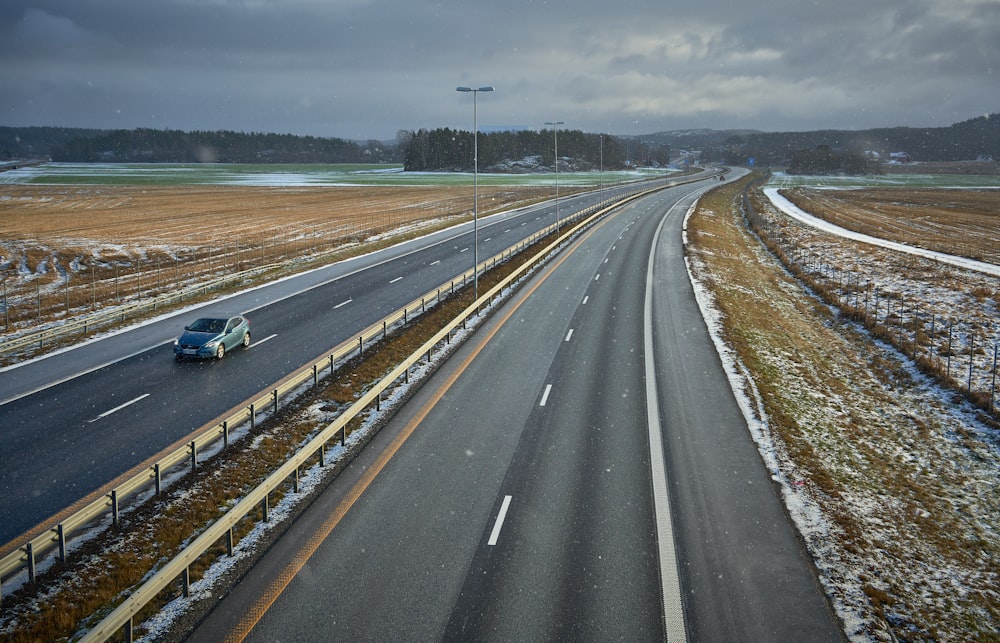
pixel 71 249
pixel 960 222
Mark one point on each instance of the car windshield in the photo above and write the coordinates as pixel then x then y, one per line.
pixel 208 326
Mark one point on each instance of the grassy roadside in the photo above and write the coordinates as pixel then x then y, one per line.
pixel 101 573
pixel 906 537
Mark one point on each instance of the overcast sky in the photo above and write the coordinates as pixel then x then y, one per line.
pixel 361 69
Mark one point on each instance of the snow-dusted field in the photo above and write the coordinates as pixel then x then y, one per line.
pixel 892 479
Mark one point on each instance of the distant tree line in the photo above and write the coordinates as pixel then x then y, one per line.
pixel 441 149
pixel 448 149
pixel 175 146
pixel 824 160
pixel 965 141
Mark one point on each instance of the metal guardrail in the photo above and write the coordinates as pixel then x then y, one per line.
pixel 55 538
pixel 121 617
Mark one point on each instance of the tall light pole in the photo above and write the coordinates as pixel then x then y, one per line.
pixel 475 183
pixel 555 137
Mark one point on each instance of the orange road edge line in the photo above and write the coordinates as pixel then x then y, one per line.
pixel 284 579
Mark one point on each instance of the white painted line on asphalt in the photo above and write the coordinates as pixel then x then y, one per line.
pixel 434 263
pixel 261 341
pixel 343 303
pixel 569 334
pixel 395 280
pixel 487 239
pixel 118 408
pixel 673 608
pixel 463 250
pixel 545 395
pixel 586 298
pixel 597 277
pixel 498 525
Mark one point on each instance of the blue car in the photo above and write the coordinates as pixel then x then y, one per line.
pixel 211 337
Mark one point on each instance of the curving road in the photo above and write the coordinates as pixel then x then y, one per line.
pixel 515 496
pixel 75 421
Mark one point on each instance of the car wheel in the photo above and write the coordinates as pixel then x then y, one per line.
pixel 220 351
pixel 246 340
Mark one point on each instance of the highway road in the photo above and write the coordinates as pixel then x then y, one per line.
pixel 73 422
pixel 578 470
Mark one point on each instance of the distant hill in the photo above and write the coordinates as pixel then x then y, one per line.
pixel 968 140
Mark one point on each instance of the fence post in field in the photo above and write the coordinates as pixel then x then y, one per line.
pixel 972 345
pixel 993 381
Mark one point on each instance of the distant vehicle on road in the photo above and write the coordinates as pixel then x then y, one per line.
pixel 211 337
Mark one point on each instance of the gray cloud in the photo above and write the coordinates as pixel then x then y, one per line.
pixel 366 68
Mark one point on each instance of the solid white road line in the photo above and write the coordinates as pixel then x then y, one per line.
pixel 673 608
pixel 545 395
pixel 498 525
pixel 118 408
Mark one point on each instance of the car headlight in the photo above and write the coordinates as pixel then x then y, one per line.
pixel 211 344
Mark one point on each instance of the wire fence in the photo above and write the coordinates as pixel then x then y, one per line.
pixel 959 349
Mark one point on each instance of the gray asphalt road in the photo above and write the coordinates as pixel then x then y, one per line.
pixel 512 498
pixel 78 419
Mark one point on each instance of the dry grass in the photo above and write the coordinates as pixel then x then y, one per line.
pixel 67 250
pixel 962 222
pixel 907 492
pixel 99 576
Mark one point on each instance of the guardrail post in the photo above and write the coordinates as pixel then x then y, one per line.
pixel 322 455
pixel 331 364
pixel 295 481
pixel 229 542
pixel 361 345
pixel 265 507
pixel 423 308
pixel 253 418
pixel 274 394
pixel 225 434
pixel 385 329
pixel 187 582
pixel 343 436
pixel 156 477
pixel 30 550
pixel 315 375
pixel 378 401
pixel 127 631
pixel 61 539
pixel 405 310
pixel 114 507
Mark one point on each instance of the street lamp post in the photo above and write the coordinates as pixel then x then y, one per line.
pixel 475 183
pixel 555 137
